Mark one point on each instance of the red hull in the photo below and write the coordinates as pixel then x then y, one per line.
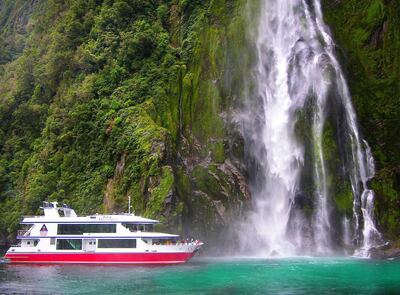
pixel 100 258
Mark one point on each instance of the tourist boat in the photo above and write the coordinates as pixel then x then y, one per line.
pixel 60 236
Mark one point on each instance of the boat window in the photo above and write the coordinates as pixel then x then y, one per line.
pixel 79 229
pixel 163 241
pixel 69 244
pixel 35 242
pixel 139 227
pixel 52 241
pixel 131 226
pixel 117 243
pixel 147 241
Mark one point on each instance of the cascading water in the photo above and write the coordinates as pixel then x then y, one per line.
pixel 296 74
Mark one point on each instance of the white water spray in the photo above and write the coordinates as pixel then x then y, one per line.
pixel 296 65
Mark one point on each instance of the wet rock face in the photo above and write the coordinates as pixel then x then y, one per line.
pixel 387 251
pixel 214 194
pixel 302 201
pixel 210 177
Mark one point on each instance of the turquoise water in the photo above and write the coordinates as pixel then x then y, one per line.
pixel 209 276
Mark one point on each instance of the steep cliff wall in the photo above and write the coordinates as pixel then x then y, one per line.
pixel 368 35
pixel 101 100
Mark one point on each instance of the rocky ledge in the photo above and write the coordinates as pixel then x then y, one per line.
pixel 387 251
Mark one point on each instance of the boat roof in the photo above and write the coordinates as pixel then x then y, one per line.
pixel 64 214
pixel 89 219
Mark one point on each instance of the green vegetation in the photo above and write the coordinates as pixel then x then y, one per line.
pixel 84 102
pixel 368 33
pixel 98 98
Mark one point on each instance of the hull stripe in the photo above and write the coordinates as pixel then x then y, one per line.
pixel 97 262
pixel 100 258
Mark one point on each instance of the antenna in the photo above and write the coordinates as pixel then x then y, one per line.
pixel 129 204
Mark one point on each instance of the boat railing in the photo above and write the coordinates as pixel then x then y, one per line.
pixel 23 232
pixel 31 216
pixel 179 243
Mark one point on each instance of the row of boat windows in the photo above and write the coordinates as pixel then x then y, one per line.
pixel 79 229
pixel 76 244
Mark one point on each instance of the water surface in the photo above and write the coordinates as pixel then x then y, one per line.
pixel 209 276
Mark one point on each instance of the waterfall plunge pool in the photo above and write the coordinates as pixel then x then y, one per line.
pixel 210 276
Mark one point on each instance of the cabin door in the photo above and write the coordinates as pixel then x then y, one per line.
pixel 89 245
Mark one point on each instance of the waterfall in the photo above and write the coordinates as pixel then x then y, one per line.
pixel 371 236
pixel 296 73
